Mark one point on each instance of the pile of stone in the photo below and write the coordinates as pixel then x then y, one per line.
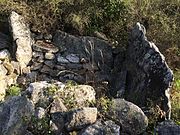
pixel 45 65
pixel 42 109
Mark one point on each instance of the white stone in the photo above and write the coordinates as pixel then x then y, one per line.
pixel 4 54
pixel 22 38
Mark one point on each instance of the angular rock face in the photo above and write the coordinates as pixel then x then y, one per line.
pixel 148 75
pixel 22 39
pixel 15 113
pixel 131 117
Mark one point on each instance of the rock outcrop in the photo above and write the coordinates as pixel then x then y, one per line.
pixel 148 75
pixel 21 38
pixel 57 71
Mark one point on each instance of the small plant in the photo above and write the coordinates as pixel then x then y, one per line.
pixel 103 104
pixel 14 90
pixel 39 126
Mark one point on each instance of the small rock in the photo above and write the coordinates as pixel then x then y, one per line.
pixel 61 59
pixel 26 70
pixel 59 67
pixel 80 118
pixel 32 76
pixel 57 106
pixel 48 37
pixel 4 54
pixel 49 56
pixel 102 128
pixel 49 63
pixel 131 117
pixel 16 67
pixel 40 112
pixel 45 69
pixel 73 58
pixel 74 66
pixel 38 54
pixel 167 127
pixel 15 114
pixel 36 66
pixel 42 46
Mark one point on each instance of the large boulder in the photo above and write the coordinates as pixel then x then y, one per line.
pixel 148 75
pixel 72 96
pixel 128 115
pixel 22 39
pixel 15 114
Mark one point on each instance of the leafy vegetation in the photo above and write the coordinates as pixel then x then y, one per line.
pixel 13 90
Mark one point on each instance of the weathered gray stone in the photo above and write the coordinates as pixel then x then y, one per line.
pixel 4 54
pixel 57 123
pixel 45 69
pixel 16 67
pixel 60 67
pixel 26 70
pixel 36 66
pixel 22 37
pixel 148 75
pixel 42 46
pixel 167 127
pixel 49 63
pixel 57 106
pixel 73 58
pixel 40 90
pixel 90 48
pixel 15 114
pixel 102 128
pixel 80 118
pixel 62 60
pixel 32 76
pixel 38 54
pixel 81 95
pixel 130 116
pixel 49 56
